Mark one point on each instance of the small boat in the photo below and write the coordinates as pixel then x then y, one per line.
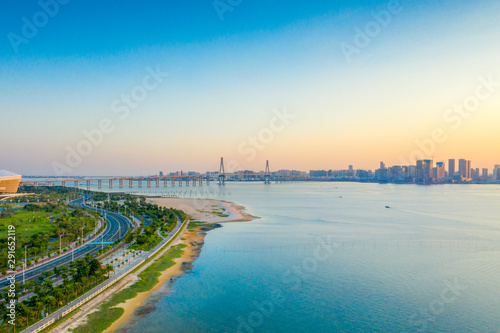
pixel 387 207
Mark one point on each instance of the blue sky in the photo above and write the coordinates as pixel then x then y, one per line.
pixel 227 76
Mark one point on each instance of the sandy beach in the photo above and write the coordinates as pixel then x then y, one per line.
pixel 206 210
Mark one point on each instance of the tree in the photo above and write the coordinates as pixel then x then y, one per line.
pixel 39 306
pixel 51 301
pixel 85 282
pixel 94 266
pixel 24 311
pixel 109 269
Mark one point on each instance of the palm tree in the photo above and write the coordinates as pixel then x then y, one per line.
pixel 100 274
pixel 51 301
pixel 85 281
pixel 39 307
pixel 57 271
pixel 70 286
pixel 30 284
pixel 24 311
pixel 109 269
pixel 46 274
pixel 48 285
pixel 59 297
pixel 77 286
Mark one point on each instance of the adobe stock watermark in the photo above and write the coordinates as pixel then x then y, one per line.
pixel 453 118
pixel 291 279
pixel 427 315
pixel 249 147
pixel 30 27
pixel 371 30
pixel 121 107
pixel 223 6
pixel 277 124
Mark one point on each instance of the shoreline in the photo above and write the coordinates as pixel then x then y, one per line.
pixel 193 241
pixel 206 214
pixel 206 210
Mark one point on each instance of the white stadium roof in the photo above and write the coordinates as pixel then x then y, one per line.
pixel 5 173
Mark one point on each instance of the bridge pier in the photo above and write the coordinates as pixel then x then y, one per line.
pixel 173 181
pixel 222 172
pixel 149 182
pixel 165 182
pixel 157 182
pixel 201 180
pixel 130 183
pixel 99 184
pixel 76 184
pixel 88 185
pixel 140 182
pixel 267 174
pixel 180 181
pixel 121 183
pixel 63 183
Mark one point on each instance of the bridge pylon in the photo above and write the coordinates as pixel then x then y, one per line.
pixel 222 173
pixel 267 174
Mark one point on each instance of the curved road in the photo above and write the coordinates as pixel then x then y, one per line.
pixel 116 228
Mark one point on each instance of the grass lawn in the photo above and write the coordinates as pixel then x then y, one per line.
pixel 26 229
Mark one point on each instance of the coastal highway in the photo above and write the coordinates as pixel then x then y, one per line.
pixel 117 227
pixel 176 233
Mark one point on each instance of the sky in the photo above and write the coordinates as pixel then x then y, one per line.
pixel 132 88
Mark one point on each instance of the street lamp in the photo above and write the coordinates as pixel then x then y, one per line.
pixel 25 264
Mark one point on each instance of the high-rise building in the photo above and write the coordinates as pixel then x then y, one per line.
pixel 395 173
pixel 382 165
pixel 464 169
pixel 161 173
pixel 495 170
pixel 473 174
pixel 440 171
pixel 485 174
pixel 317 173
pixel 424 171
pixel 451 168
pixel 412 171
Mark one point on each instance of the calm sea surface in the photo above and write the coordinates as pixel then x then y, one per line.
pixel 330 257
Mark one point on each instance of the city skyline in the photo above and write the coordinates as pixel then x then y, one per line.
pixel 410 92
pixel 442 169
